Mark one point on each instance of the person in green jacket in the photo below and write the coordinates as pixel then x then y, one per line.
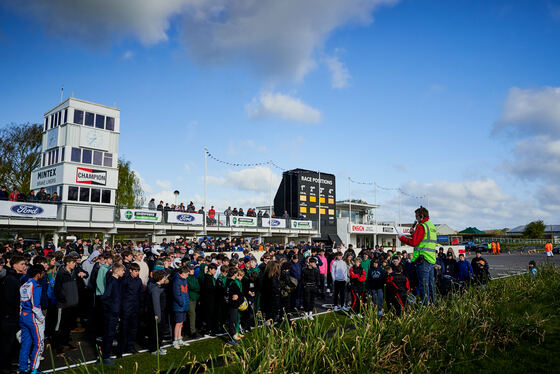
pixel 366 262
pixel 194 294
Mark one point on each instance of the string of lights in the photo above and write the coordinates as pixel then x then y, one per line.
pixel 240 164
pixel 387 188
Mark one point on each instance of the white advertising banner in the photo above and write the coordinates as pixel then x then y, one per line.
pixel 274 222
pixel 27 210
pixel 185 218
pixel 243 221
pixel 140 215
pixel 50 176
pixel 306 225
pixel 362 228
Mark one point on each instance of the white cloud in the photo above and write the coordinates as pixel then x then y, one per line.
pixel 283 106
pixel 251 179
pixel 480 203
pixel 339 73
pixel 127 55
pixel 163 184
pixel 278 38
pixel 531 112
pixel 103 21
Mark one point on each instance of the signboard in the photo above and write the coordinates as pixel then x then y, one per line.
pixel 27 210
pixel 243 221
pixel 91 176
pixel 443 238
pixel 362 228
pixel 274 222
pixel 46 177
pixel 388 230
pixel 139 215
pixel 185 218
pixel 306 225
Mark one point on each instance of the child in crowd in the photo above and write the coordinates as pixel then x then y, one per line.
pixel 234 297
pixel 533 268
pixel 397 288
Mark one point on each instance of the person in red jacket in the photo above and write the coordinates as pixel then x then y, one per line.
pixel 13 196
pixel 357 281
pixel 397 289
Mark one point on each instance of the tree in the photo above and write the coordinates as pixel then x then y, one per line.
pixel 19 154
pixel 534 230
pixel 129 192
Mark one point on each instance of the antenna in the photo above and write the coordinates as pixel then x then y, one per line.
pixel 61 92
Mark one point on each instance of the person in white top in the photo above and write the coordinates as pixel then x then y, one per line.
pixel 339 273
pixel 144 269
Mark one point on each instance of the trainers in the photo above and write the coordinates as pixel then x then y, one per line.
pixel 161 352
pixel 108 361
pixel 345 308
pixel 336 308
pixel 183 343
pixel 177 344
pixel 233 342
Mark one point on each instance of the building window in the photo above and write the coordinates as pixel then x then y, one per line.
pixel 46 122
pixel 56 156
pixel 108 160
pixel 73 193
pixel 84 194
pixel 110 123
pixel 99 121
pixel 62 154
pixel 65 115
pixel 43 162
pixel 76 155
pixel 89 119
pixel 106 197
pixel 86 156
pixel 78 117
pixel 97 158
pixel 58 118
pixel 95 195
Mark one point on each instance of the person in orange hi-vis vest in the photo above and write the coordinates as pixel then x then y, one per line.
pixel 548 249
pixel 493 248
pixel 498 247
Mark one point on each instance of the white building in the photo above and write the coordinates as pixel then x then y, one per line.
pixel 79 157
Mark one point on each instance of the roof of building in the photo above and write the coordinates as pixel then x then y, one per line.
pixel 547 229
pixel 356 205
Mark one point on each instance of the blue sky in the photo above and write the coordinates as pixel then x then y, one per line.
pixel 455 99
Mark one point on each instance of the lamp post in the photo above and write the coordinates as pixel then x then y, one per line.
pixel 176 193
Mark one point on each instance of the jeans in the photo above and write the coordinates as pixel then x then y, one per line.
pixel 377 298
pixel 426 282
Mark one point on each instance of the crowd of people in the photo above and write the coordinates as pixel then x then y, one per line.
pixel 141 294
pixel 41 197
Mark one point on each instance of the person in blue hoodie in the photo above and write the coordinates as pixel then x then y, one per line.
pixel 376 280
pixel 465 271
pixel 295 272
pixel 180 305
pixel 32 321
pixel 111 300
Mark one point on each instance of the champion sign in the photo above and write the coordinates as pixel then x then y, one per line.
pixel 91 176
pixel 27 209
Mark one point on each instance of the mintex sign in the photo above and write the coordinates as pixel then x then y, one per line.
pixel 91 176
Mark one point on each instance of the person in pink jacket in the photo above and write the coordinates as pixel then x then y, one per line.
pixel 322 271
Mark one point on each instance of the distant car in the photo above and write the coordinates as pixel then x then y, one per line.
pixel 556 250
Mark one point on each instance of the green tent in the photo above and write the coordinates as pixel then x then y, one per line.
pixel 471 230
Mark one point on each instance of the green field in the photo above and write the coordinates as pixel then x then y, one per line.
pixel 512 326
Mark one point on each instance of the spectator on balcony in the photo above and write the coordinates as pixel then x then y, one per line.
pixel 152 204
pixel 201 210
pixel 4 193
pixel 31 196
pixel 42 195
pixel 285 215
pixel 227 213
pixel 240 213
pixel 265 214
pixel 160 206
pixel 234 212
pixel 251 213
pixel 16 196
pixel 211 215
pixel 182 207
pixel 190 208
pixel 167 208
pixel 55 198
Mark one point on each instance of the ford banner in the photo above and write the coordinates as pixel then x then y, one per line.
pixel 185 218
pixel 278 223
pixel 27 210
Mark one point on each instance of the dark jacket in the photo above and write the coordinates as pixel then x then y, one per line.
pixel 295 270
pixel 112 296
pixel 397 288
pixel 310 278
pixel 208 289
pixel 66 288
pixel 131 291
pixel 194 288
pixel 9 294
pixel 376 278
pixel 232 288
pixel 156 300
